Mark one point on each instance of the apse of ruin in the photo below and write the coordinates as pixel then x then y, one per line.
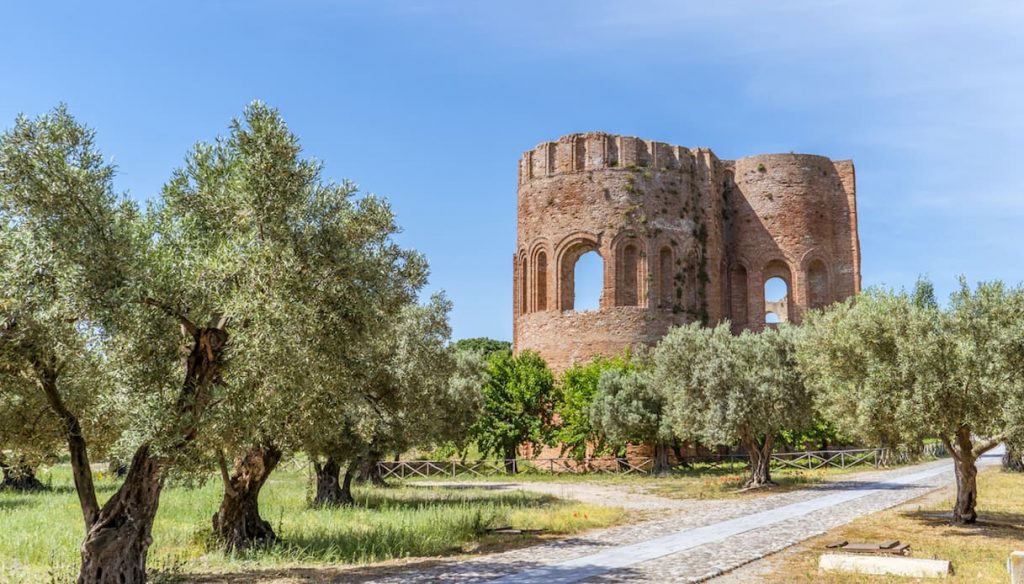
pixel 682 237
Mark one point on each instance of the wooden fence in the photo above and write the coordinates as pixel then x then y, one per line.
pixel 810 460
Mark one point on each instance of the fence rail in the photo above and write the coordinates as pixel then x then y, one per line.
pixel 810 460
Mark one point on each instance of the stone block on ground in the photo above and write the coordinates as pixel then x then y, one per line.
pixel 1016 566
pixel 885 566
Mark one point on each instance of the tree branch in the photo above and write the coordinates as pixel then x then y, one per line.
pixel 986 446
pixel 949 448
pixel 224 474
pixel 186 324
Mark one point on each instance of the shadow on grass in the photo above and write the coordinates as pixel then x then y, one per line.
pixel 437 497
pixel 413 571
pixel 17 501
pixel 998 524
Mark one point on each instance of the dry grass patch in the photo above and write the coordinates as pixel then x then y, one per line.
pixel 978 552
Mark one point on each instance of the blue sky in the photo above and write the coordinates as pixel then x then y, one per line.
pixel 431 103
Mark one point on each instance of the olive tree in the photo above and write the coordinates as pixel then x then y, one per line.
pixel 412 390
pixel 74 294
pixel 100 302
pixel 304 270
pixel 954 373
pixel 723 388
pixel 628 408
pixel 852 356
pixel 577 387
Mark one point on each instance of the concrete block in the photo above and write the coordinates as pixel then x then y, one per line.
pixel 884 566
pixel 1016 566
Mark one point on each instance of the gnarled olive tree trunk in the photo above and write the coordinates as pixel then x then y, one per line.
pixel 19 477
pixel 760 453
pixel 119 534
pixel 1013 459
pixel 237 524
pixel 961 448
pixel 369 470
pixel 330 491
pixel 117 542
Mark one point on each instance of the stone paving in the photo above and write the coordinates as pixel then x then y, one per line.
pixel 641 552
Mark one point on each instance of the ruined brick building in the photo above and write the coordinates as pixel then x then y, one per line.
pixel 683 237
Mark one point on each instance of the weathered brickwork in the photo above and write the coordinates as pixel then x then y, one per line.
pixel 683 236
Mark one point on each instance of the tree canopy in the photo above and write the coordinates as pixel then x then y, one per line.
pixel 518 405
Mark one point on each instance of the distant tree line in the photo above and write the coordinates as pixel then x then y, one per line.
pixel 890 369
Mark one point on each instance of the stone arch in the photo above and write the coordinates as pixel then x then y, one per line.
pixel 523 284
pixel 692 284
pixel 666 276
pixel 739 294
pixel 723 291
pixel 779 307
pixel 566 256
pixel 819 293
pixel 630 267
pixel 540 277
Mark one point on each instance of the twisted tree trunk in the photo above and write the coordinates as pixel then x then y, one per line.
pixel 510 460
pixel 369 471
pixel 118 535
pixel 329 490
pixel 1013 459
pixel 117 542
pixel 962 450
pixel 20 477
pixel 237 524
pixel 760 454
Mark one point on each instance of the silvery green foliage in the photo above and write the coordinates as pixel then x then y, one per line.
pixel 305 270
pixel 723 388
pixel 411 389
pixel 628 408
pixel 851 355
pixel 895 367
pixel 66 247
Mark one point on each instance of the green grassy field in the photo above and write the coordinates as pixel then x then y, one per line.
pixel 40 533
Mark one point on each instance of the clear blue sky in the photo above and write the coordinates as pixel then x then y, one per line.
pixel 432 103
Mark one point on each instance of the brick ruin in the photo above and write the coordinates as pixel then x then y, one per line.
pixel 683 237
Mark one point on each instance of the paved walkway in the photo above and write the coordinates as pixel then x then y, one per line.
pixel 695 540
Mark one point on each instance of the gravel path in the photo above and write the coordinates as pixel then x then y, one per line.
pixel 695 540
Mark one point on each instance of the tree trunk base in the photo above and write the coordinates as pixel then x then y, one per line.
pixel 21 480
pixel 329 491
pixel 116 544
pixel 369 472
pixel 1013 460
pixel 237 524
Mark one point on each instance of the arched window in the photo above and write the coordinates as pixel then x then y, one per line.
pixel 628 276
pixel 588 282
pixel 541 281
pixel 817 284
pixel 776 300
pixel 524 306
pixel 667 295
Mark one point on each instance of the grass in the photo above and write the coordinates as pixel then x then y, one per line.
pixel 978 552
pixel 40 533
